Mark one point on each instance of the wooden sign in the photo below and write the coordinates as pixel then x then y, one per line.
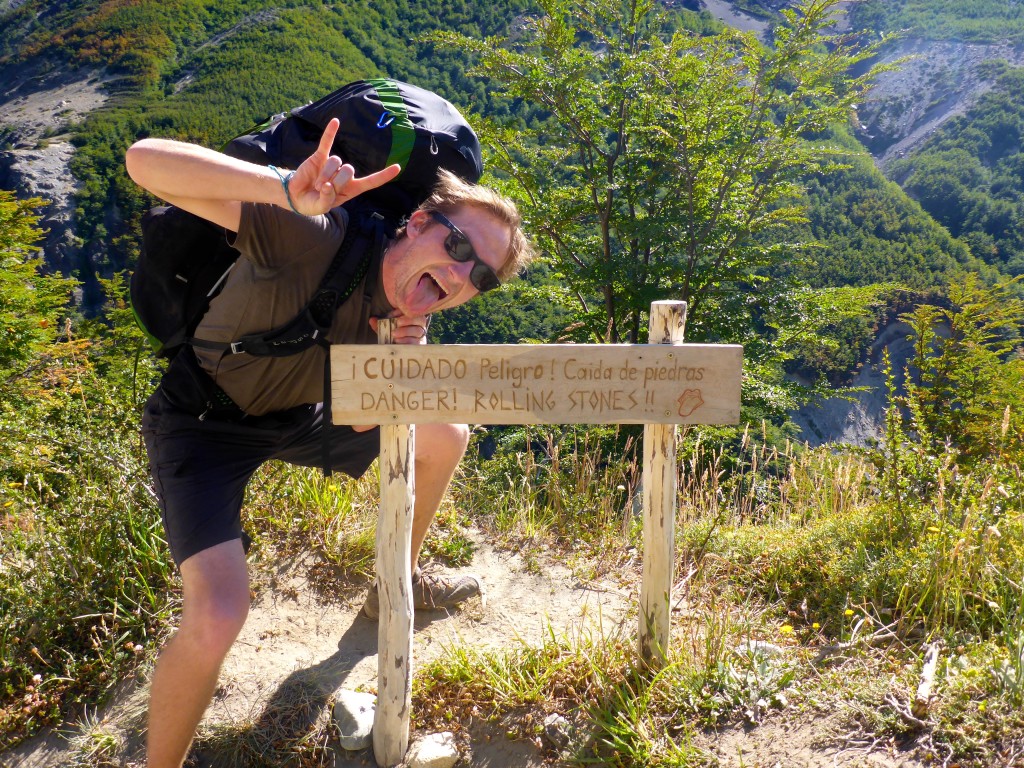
pixel 536 384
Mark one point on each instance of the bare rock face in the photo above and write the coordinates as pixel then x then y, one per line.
pixel 940 80
pixel 35 110
pixel 43 172
pixel 860 421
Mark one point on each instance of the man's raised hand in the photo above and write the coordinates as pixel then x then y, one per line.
pixel 324 181
pixel 406 330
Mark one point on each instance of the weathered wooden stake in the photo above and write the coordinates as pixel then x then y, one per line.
pixel 668 325
pixel 394 586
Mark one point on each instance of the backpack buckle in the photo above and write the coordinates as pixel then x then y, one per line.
pixel 236 347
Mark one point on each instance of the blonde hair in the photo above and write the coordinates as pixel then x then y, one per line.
pixel 452 193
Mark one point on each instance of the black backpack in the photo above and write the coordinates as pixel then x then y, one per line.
pixel 184 260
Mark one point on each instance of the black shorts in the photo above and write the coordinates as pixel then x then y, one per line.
pixel 201 467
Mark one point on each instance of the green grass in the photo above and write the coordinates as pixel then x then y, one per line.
pixel 291 511
pixel 566 487
pixel 816 575
pixel 619 712
pixel 949 562
pixel 86 585
pixel 793 552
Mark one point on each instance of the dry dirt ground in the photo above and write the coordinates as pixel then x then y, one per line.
pixel 295 639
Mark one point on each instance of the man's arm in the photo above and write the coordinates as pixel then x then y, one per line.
pixel 176 171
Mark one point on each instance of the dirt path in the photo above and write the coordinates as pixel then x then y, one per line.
pixel 292 632
pixel 294 638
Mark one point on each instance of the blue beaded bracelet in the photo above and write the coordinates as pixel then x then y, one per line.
pixel 284 183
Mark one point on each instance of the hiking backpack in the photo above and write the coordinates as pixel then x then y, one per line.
pixel 184 260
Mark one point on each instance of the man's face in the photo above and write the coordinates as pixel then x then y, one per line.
pixel 419 275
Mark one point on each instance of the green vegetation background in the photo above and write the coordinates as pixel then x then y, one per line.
pixel 206 71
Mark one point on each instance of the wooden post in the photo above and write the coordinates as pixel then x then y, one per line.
pixel 668 324
pixel 394 586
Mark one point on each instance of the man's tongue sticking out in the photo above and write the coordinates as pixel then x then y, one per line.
pixel 425 295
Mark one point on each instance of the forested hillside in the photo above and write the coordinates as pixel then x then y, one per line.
pixel 970 174
pixel 869 231
pixel 974 21
pixel 204 72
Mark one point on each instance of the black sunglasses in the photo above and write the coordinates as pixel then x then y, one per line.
pixel 482 276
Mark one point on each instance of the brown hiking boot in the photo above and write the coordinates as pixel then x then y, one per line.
pixel 430 591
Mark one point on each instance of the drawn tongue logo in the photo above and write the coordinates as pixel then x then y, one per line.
pixel 690 401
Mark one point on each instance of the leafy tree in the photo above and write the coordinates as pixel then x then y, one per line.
pixel 669 159
pixel 968 391
pixel 30 303
pixel 832 330
pixel 670 165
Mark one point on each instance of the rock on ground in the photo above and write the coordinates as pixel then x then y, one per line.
pixel 436 750
pixel 353 715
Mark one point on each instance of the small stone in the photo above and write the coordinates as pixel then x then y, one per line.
pixel 557 731
pixel 353 715
pixel 437 750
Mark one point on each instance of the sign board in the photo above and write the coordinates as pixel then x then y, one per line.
pixel 536 384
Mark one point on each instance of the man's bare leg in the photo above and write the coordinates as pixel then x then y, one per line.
pixel 439 449
pixel 215 603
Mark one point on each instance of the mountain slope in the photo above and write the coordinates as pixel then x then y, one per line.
pixel 204 72
pixel 200 72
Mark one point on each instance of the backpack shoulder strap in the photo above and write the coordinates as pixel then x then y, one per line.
pixel 310 326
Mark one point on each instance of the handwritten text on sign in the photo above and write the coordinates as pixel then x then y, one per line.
pixel 536 384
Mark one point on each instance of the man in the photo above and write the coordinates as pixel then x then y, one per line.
pixel 463 239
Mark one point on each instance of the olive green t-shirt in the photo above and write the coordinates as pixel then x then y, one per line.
pixel 284 257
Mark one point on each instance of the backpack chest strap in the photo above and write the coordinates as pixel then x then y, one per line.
pixel 312 324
